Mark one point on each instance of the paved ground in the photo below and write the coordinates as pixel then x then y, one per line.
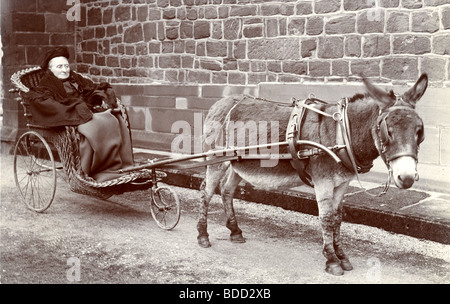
pixel 87 240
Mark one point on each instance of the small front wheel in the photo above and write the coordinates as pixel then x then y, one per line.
pixel 165 207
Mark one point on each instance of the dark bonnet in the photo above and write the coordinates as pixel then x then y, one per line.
pixel 56 52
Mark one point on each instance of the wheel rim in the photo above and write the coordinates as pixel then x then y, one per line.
pixel 165 207
pixel 34 171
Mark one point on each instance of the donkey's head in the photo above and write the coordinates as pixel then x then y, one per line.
pixel 399 130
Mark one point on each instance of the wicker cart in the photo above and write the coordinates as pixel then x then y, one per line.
pixel 41 152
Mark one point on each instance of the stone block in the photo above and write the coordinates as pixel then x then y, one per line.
pixel 340 68
pixel 308 48
pixel 269 9
pixel 243 10
pixel 34 38
pixel 426 21
pixel 304 8
pixel 169 61
pixel 211 64
pixel 410 44
pixel 353 46
pixel 397 22
pixel 253 31
pixel 122 13
pixel 162 119
pixel 232 28
pixel 370 21
pixel 441 44
pixel 216 48
pixel 446 18
pixel 331 47
pixel 341 25
pixel 319 68
pixel 170 90
pixel 296 26
pixel 202 29
pixel 434 67
pixel 57 23
pixel 400 68
pixel 133 34
pixel 326 6
pixel 237 78
pixel 196 76
pixel 295 67
pixel 356 5
pixel 365 67
pixel 314 25
pixel 137 118
pixel 271 27
pixel 28 22
pixel 94 16
pixel 374 46
pixel 274 49
pixel 436 2
pixel 412 4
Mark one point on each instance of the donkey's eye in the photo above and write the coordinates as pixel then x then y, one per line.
pixel 420 135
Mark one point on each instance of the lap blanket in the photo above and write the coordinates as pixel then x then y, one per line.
pixel 105 146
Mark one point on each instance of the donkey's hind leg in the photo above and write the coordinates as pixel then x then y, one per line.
pixel 214 174
pixel 227 192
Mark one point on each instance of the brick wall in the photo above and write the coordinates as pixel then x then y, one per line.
pixel 252 41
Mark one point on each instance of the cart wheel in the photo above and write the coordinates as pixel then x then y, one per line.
pixel 34 171
pixel 165 207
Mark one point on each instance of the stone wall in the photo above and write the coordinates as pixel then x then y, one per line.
pixel 252 41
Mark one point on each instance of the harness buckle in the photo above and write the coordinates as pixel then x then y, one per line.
pixel 337 116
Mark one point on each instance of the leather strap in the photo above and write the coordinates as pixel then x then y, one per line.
pixel 292 135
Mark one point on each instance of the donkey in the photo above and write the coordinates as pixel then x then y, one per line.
pixel 369 114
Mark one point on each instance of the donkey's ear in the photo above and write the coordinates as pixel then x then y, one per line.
pixel 413 95
pixel 383 98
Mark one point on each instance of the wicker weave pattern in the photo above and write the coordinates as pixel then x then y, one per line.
pixel 66 141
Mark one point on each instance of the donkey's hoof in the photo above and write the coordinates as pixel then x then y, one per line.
pixel 203 241
pixel 237 238
pixel 346 265
pixel 334 269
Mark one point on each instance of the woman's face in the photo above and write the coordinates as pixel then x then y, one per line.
pixel 60 67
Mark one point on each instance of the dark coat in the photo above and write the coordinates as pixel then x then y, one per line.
pixel 52 106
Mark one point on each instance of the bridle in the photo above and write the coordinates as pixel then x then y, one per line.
pixel 382 139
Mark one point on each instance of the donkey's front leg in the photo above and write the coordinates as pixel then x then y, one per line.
pixel 338 196
pixel 330 217
pixel 227 192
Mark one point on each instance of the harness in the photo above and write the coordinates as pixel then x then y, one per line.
pixel 343 148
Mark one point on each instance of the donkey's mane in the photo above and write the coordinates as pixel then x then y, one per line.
pixel 360 96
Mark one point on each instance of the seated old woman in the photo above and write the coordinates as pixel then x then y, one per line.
pixel 65 98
